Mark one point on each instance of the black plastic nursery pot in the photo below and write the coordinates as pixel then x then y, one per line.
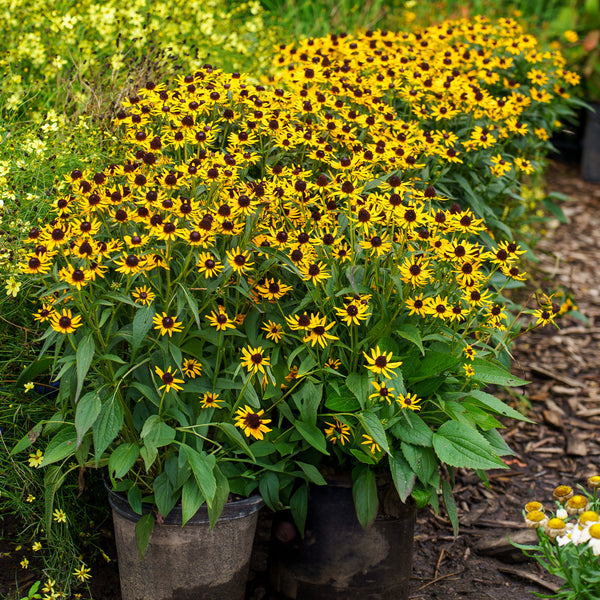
pixel 191 562
pixel 337 559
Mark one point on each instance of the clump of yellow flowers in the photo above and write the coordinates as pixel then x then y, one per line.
pixel 569 538
pixel 299 272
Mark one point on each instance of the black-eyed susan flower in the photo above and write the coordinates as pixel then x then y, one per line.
pixel 337 432
pixel 299 322
pixel 254 359
pixel 353 313
pixel 143 295
pixel 75 277
pixel 130 264
pixel 318 332
pixel 253 424
pixel 314 272
pixel 273 330
pixel 168 379
pixel 44 313
pixel 273 289
pixel 239 260
pixel 191 367
pixel 415 271
pixel 210 400
pixel 208 265
pixel 381 362
pixel 382 392
pixel 220 320
pixel 166 325
pixel 65 322
pixel 409 401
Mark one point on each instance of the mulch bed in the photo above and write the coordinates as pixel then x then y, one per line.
pixel 562 446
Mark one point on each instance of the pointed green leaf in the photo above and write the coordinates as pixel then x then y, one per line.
pixel 402 475
pixel 488 373
pixel 107 426
pixel 374 428
pixel 122 459
pixel 202 467
pixel 412 429
pixel 459 445
pixel 313 435
pixel 86 413
pixel 220 499
pixel 191 500
pixel 364 492
pixel 142 323
pixel 143 531
pixel 85 354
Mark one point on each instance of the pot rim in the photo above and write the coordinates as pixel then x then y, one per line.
pixel 235 509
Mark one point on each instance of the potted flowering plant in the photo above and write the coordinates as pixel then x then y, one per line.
pixel 274 283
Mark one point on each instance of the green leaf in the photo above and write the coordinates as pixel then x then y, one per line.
pixel 313 435
pixel 459 445
pixel 28 439
pixel 142 323
pixel 501 448
pixel 555 210
pixel 434 363
pixel 134 497
pixel 358 384
pixel 143 531
pixel 269 490
pixel 163 494
pixel 191 302
pixel 202 467
pixel 63 444
pixel 42 365
pixel 497 406
pixel 342 403
pixel 191 500
pixel 156 432
pixel 364 492
pixel 372 424
pixel 220 499
pixel 450 505
pixel 86 413
pixel 107 426
pixel 488 373
pixel 148 454
pixel 402 475
pixel 234 435
pixel 421 460
pixel 299 507
pixel 312 473
pixel 412 429
pixel 412 334
pixel 122 459
pixel 85 354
